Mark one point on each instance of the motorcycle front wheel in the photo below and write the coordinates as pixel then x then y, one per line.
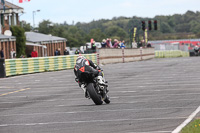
pixel 107 99
pixel 97 99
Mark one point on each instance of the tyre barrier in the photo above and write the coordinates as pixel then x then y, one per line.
pixel 171 53
pixel 42 64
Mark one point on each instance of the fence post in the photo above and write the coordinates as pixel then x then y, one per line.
pixel 123 54
pixel 2 68
pixel 97 56
pixel 141 52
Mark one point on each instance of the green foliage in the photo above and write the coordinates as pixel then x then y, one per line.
pixel 97 35
pixel 116 31
pixel 44 27
pixel 26 26
pixel 177 26
pixel 18 32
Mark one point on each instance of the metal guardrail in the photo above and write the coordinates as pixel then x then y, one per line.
pixel 42 64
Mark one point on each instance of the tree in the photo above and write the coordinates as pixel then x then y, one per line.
pixel 26 26
pixel 19 33
pixel 116 31
pixel 44 27
pixel 97 35
pixel 165 28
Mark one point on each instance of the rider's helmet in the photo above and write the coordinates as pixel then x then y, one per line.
pixel 196 48
pixel 80 57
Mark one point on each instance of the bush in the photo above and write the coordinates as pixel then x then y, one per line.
pixel 19 33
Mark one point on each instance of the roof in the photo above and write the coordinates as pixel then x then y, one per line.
pixel 9 5
pixel 39 37
pixel 33 44
pixel 6 37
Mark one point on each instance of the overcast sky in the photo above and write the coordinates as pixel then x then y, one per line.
pixel 58 11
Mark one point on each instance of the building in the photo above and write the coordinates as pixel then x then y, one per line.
pixel 7 43
pixel 10 16
pixel 45 45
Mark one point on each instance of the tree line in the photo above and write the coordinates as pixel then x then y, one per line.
pixel 177 26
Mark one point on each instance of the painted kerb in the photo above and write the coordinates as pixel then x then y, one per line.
pixel 42 64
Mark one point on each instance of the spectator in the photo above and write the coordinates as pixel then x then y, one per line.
pixel 93 47
pixel 149 45
pixel 12 54
pixel 116 43
pixel 57 52
pixel 1 53
pixel 34 53
pixel 66 52
pixel 134 45
pixel 140 44
pixel 103 43
pixel 109 43
pixel 122 45
pixel 76 52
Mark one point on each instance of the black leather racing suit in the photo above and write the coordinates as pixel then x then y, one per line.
pixel 84 65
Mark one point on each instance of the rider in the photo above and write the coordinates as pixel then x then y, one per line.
pixel 85 65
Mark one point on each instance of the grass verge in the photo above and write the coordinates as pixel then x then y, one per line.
pixel 192 127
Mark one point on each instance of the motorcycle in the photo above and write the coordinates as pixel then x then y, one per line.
pixel 196 51
pixel 95 87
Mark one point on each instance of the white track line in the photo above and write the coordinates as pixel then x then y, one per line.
pixel 76 112
pixel 89 121
pixel 74 99
pixel 180 127
pixel 153 132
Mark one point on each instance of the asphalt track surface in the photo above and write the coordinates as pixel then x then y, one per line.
pixel 153 96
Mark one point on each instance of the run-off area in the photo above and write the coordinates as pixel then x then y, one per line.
pixel 153 96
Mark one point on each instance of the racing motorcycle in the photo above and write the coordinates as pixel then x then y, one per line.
pixel 196 51
pixel 95 87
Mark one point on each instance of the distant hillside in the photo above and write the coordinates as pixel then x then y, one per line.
pixel 177 26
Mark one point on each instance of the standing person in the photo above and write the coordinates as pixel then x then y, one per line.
pixel 12 54
pixel 76 52
pixel 108 43
pixel 93 47
pixel 1 53
pixel 116 43
pixel 66 52
pixel 34 53
pixel 57 52
pixel 111 46
pixel 103 43
pixel 122 45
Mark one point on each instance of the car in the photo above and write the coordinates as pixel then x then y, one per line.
pixel 97 44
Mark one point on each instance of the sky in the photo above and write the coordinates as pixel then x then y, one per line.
pixel 58 11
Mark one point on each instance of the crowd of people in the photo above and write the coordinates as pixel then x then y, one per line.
pixel 12 53
pixel 107 43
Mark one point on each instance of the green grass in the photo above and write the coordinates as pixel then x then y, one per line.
pixel 192 127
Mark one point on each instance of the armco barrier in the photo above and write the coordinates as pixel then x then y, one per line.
pixel 171 53
pixel 41 64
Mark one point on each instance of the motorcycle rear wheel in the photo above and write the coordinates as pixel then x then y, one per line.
pixel 97 99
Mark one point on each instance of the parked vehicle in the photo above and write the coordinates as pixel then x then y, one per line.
pixel 97 44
